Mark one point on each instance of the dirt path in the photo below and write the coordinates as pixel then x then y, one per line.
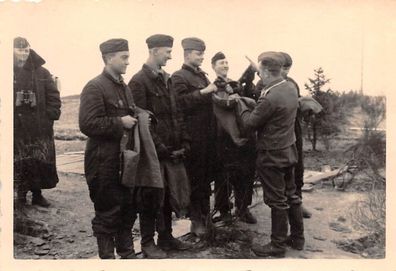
pixel 69 222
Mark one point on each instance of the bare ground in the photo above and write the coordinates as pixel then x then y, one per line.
pixel 70 235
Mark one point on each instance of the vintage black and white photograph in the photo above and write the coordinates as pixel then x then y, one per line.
pixel 171 130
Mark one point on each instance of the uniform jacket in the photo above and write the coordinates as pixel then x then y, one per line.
pixel 34 148
pixel 198 115
pixel 103 101
pixel 274 116
pixel 151 91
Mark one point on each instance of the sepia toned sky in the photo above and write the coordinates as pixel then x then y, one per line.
pixel 331 34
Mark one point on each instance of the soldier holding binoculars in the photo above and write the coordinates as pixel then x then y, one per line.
pixel 36 105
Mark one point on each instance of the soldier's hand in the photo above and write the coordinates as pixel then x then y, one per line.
pixel 209 89
pixel 234 96
pixel 128 121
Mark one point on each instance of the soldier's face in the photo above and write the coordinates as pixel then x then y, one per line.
pixel 195 58
pixel 21 54
pixel 118 62
pixel 221 67
pixel 264 74
pixel 162 55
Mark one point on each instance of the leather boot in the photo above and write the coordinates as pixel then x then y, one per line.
pixel 105 246
pixel 296 239
pixel 152 251
pixel 246 216
pixel 172 244
pixel 21 198
pixel 38 199
pixel 124 244
pixel 277 247
pixel 198 228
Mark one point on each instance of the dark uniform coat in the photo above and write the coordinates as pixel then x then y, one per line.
pixel 274 118
pixel 237 165
pixel 151 91
pixel 34 148
pixel 201 128
pixel 299 168
pixel 104 100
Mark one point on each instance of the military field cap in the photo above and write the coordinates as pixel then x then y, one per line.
pixel 193 44
pixel 21 43
pixel 114 45
pixel 287 59
pixel 218 56
pixel 159 40
pixel 273 61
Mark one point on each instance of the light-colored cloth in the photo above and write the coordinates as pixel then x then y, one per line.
pixel 308 103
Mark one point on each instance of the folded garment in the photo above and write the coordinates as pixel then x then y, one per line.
pixel 309 103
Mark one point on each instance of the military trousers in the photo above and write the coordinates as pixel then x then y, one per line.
pixel 241 182
pixel 279 188
pixel 114 206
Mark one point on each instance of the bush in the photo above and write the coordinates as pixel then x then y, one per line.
pixel 327 124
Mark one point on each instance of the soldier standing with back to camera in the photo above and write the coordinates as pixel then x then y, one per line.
pixel 237 162
pixel 36 106
pixel 106 110
pixel 273 118
pixel 193 93
pixel 150 89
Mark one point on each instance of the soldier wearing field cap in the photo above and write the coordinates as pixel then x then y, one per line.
pixel 273 118
pixel 36 106
pixel 150 89
pixel 299 168
pixel 106 111
pixel 237 163
pixel 193 93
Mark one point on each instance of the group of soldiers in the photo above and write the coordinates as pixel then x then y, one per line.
pixel 192 142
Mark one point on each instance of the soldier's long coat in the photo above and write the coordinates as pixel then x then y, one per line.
pixel 34 148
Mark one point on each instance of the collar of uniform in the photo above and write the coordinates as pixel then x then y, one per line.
pixel 194 70
pixel 273 83
pixel 222 79
pixel 154 74
pixel 119 81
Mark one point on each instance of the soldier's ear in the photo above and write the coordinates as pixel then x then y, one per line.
pixel 154 51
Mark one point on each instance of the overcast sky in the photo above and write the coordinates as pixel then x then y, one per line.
pixel 329 34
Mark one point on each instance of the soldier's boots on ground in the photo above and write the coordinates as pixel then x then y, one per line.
pixel 246 216
pixel 105 246
pixel 296 239
pixel 172 244
pixel 198 228
pixel 21 198
pixel 37 198
pixel 225 216
pixel 279 226
pixel 152 251
pixel 306 213
pixel 124 244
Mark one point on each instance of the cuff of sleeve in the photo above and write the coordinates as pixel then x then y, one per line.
pixel 119 127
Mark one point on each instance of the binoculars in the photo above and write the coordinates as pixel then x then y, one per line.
pixel 26 97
